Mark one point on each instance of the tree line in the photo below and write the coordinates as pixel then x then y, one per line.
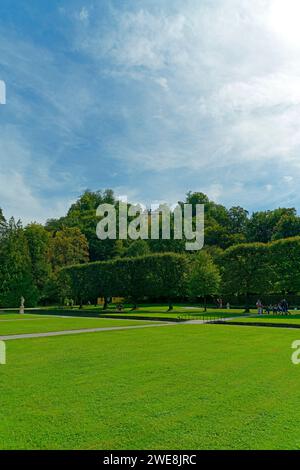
pixel 249 254
pixel 240 272
pixel 161 276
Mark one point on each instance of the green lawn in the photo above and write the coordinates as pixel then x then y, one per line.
pixel 293 319
pixel 178 316
pixel 17 316
pixel 37 324
pixel 178 310
pixel 177 387
pixel 146 311
pixel 144 308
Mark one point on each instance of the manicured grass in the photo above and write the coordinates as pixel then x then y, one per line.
pixel 178 309
pixel 16 316
pixel 179 316
pixel 151 312
pixel 177 387
pixel 182 313
pixel 151 309
pixel 36 324
pixel 293 319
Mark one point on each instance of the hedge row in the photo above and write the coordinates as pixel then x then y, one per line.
pixel 259 268
pixel 153 276
pixel 246 269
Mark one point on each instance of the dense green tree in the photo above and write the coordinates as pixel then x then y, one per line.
pixel 204 276
pixel 68 246
pixel 216 234
pixel 238 220
pixel 38 239
pixel 262 225
pixel 247 269
pixel 284 257
pixel 82 215
pixel 16 279
pixel 223 228
pixel 2 221
pixel 89 201
pixel 213 211
pixel 138 248
pixel 54 290
pixel 72 239
pixel 288 226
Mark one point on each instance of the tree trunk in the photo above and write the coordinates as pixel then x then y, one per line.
pixel 105 304
pixel 205 306
pixel 170 307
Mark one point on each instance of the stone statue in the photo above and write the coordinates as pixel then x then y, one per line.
pixel 22 310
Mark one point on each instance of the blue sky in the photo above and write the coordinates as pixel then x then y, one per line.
pixel 151 98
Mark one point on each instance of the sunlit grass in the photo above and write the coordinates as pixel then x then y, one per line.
pixel 177 387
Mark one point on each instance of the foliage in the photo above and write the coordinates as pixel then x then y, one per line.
pixel 247 269
pixel 82 215
pixel 153 276
pixel 284 257
pixel 72 240
pixel 67 247
pixel 38 242
pixel 16 278
pixel 138 248
pixel 204 278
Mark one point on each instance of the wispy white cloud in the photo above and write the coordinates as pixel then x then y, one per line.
pixel 21 181
pixel 162 98
pixel 233 88
pixel 45 111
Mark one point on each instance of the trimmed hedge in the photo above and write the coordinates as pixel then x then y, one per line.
pixel 152 276
pixel 271 270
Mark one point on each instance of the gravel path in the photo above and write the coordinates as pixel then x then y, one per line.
pixel 97 330
pixel 84 330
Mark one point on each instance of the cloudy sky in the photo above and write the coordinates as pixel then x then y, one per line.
pixel 151 98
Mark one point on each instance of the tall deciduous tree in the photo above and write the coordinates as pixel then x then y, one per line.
pixel 285 260
pixel 69 246
pixel 262 225
pixel 204 278
pixel 246 269
pixel 288 226
pixel 82 215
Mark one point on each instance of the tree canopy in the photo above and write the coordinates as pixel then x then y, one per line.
pixel 255 253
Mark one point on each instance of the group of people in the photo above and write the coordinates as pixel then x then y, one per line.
pixel 282 308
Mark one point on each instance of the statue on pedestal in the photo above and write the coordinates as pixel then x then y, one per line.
pixel 22 309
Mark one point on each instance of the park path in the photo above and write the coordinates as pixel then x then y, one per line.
pixel 81 331
pixel 205 322
pixel 97 330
